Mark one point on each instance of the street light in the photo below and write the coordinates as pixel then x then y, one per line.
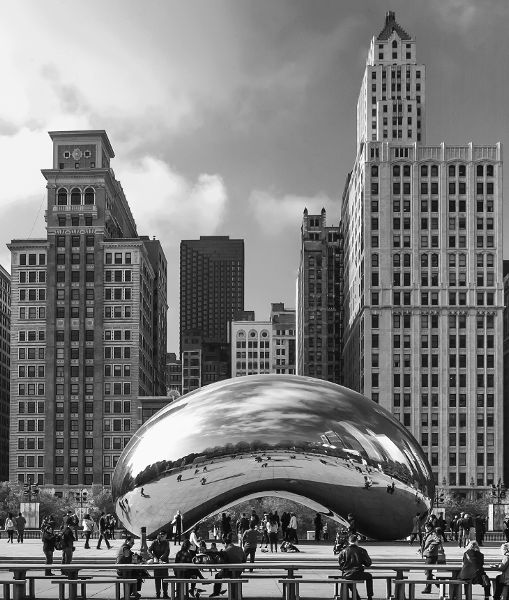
pixel 498 491
pixel 30 489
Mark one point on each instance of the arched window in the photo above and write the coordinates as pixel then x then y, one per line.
pixel 62 197
pixel 89 196
pixel 75 196
pixel 434 170
pixel 424 170
pixel 394 44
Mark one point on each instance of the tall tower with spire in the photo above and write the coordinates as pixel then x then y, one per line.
pixel 422 287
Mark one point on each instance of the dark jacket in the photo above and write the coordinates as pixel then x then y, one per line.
pixel 67 538
pixel 352 560
pixel 430 545
pixel 233 554
pixel 48 541
pixel 473 562
pixel 160 549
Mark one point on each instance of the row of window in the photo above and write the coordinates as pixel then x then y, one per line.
pixel 75 240
pixel 75 197
pixel 74 460
pixel 117 312
pixel 31 371
pixel 74 335
pixel 32 259
pixel 117 389
pixel 118 258
pixel 74 407
pixel 117 370
pixel 117 293
pixel 31 353
pixel 76 276
pixel 74 424
pixel 30 407
pixel 32 294
pixel 427 360
pixel 32 276
pixel 118 275
pixel 76 220
pixel 30 443
pixel 453 170
pixel 74 371
pixel 75 258
pixel 74 389
pixel 117 425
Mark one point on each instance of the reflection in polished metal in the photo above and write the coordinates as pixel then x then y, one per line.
pixel 273 435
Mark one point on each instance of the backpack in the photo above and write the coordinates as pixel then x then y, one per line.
pixel 58 541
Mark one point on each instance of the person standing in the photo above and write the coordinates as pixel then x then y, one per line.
pixel 430 547
pixel 9 527
pixel 254 518
pixel 177 528
pixel 159 550
pixel 88 528
pixel 352 561
pixel 195 539
pixel 20 523
pixel 352 525
pixel 272 530
pixel 292 529
pixel 318 526
pixel 416 529
pixel 325 533
pixel 480 529
pixel 73 522
pixel 242 525
pixel 232 554
pixel 472 570
pixel 48 547
pixel 126 558
pixel 103 531
pixel 67 545
pixel 112 523
pixel 454 527
pixel 226 525
pixel 285 519
pixel 250 542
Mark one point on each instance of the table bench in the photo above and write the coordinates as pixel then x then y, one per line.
pixel 291 587
pixel 388 584
pixel 73 586
pixel 180 592
pixel 31 579
pixel 18 587
pixel 449 588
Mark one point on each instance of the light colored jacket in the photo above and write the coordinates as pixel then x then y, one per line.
pixel 503 566
pixel 293 523
pixel 88 525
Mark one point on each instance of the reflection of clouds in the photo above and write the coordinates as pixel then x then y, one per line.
pixel 271 409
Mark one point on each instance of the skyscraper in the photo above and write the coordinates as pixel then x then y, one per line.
pixel 211 293
pixel 211 285
pixel 318 313
pixel 423 290
pixel 88 323
pixel 5 342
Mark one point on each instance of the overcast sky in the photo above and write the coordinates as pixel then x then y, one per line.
pixel 228 117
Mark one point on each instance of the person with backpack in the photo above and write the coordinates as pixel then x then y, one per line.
pixel 9 527
pixel 48 547
pixel 103 531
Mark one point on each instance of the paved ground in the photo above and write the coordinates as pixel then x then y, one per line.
pixel 266 588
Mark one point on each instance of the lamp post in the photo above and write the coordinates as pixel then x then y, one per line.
pixel 81 496
pixel 498 491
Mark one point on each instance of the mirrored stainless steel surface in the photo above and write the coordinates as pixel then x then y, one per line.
pixel 310 440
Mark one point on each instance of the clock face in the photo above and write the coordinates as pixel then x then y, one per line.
pixel 76 154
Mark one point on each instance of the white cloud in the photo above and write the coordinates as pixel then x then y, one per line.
pixel 166 204
pixel 276 213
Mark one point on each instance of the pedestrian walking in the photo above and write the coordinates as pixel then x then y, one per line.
pixel 103 531
pixel 431 546
pixel 20 523
pixel 9 528
pixel 416 529
pixel 88 528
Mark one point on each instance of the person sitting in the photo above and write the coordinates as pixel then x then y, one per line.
pixel 472 569
pixel 502 580
pixel 126 558
pixel 288 547
pixel 185 555
pixel 352 561
pixel 232 554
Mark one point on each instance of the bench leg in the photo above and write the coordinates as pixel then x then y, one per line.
pixel 411 591
pixel 7 591
pixel 345 589
pixel 127 591
pixel 172 590
pixel 388 588
pixel 83 587
pixel 73 591
pixel 31 589
pixel 61 591
pixel 234 591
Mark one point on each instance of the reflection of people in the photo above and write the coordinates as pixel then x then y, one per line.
pixel 352 561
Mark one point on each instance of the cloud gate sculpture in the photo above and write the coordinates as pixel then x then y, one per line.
pixel 309 440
